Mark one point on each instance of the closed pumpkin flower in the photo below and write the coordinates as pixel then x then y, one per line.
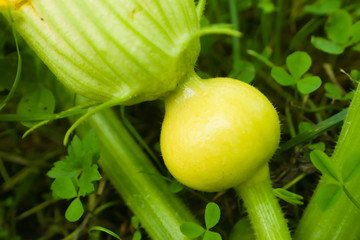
pixel 128 50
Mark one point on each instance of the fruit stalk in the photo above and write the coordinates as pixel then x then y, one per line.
pixel 264 210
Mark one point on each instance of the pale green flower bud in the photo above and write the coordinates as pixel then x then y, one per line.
pixel 130 50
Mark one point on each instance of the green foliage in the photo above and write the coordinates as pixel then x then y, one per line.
pixel 211 217
pixel 324 164
pixel 340 30
pixel 244 71
pixel 304 126
pixel 75 210
pixel 315 130
pixel 136 225
pixel 242 230
pixel 338 26
pixel 322 7
pixel 355 75
pixel 244 5
pixel 317 146
pixel 298 63
pixel 267 6
pixel 330 194
pixel 175 186
pixel 76 173
pixel 192 230
pixel 7 71
pixel 327 46
pixel 271 31
pixel 102 229
pixel 288 196
pixel 63 187
pixel 37 102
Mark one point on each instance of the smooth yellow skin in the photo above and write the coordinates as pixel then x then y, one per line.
pixel 218 134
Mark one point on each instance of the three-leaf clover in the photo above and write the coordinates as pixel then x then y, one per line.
pixel 340 32
pixel 298 63
pixel 76 173
pixel 244 71
pixel 322 7
pixel 335 93
pixel 212 217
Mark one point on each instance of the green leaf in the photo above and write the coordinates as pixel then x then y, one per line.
pixel 244 71
pixel 351 168
pixel 89 174
pixel 79 164
pixel 75 150
pixel 135 222
pixel 327 46
pixel 105 230
pixel 64 168
pixel 355 75
pixel 209 235
pixel 332 91
pixel 355 32
pixel 308 84
pixel 266 6
pixel 89 143
pixel 350 197
pixel 64 188
pixel 212 215
pixel 349 95
pixel 242 230
pixel 175 186
pixel 76 173
pixel 39 101
pixel 328 195
pixel 288 196
pixel 282 77
pixel 322 7
pixel 244 5
pixel 356 47
pixel 314 131
pixel 324 164
pixel 74 211
pixel 298 63
pixel 137 236
pixel 338 26
pixel 192 230
pixel 317 146
pixel 304 126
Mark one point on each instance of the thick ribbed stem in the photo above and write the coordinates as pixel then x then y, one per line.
pixel 138 182
pixel 264 210
pixel 337 222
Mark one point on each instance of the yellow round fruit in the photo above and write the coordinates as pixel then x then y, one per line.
pixel 218 133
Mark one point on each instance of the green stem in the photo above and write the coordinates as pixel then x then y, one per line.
pixel 264 210
pixel 278 29
pixel 337 222
pixel 18 68
pixel 136 179
pixel 235 40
